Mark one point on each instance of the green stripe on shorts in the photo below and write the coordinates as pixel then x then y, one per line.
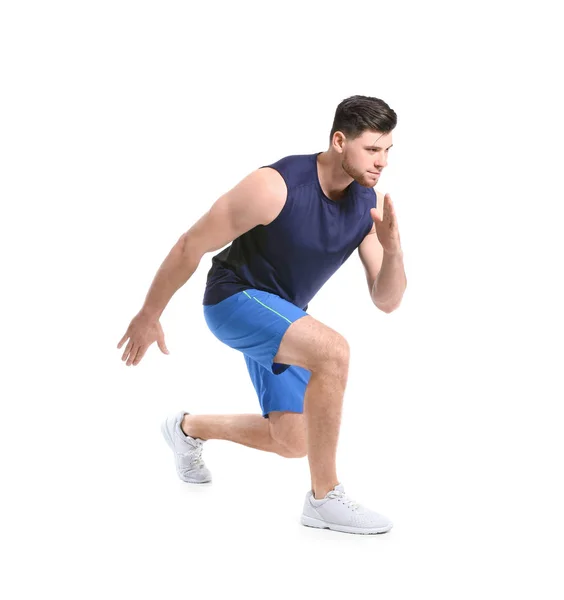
pixel 271 309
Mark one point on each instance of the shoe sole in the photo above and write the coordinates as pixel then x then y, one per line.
pixel 168 440
pixel 318 524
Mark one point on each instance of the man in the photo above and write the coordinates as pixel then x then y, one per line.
pixel 291 225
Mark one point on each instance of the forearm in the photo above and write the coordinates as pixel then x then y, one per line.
pixel 389 287
pixel 175 271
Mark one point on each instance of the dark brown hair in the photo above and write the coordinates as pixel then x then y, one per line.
pixel 358 114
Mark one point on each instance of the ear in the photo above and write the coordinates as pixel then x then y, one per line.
pixel 338 141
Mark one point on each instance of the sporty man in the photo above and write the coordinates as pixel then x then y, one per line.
pixel 289 225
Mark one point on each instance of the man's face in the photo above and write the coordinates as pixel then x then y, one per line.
pixel 366 156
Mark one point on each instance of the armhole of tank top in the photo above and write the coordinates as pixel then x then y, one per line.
pixel 283 209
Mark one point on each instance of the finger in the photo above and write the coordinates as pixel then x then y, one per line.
pixel 132 354
pixel 386 211
pixel 390 204
pixel 392 214
pixel 123 339
pixel 374 215
pixel 127 349
pixel 162 346
pixel 140 354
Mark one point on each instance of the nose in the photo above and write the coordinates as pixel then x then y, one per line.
pixel 381 160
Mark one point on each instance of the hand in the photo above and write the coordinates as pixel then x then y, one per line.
pixel 387 227
pixel 142 332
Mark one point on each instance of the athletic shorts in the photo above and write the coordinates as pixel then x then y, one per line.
pixel 254 322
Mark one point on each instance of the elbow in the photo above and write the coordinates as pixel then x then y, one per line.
pixel 387 309
pixel 390 308
pixel 190 249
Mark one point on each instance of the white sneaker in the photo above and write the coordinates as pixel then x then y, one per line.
pixel 187 451
pixel 338 512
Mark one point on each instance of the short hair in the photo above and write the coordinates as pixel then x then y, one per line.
pixel 358 114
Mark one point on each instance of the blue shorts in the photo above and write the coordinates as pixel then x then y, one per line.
pixel 254 322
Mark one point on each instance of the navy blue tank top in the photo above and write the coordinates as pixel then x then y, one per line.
pixel 294 255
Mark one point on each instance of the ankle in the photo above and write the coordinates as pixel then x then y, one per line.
pixel 187 427
pixel 184 426
pixel 320 491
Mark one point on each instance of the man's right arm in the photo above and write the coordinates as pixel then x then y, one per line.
pixel 256 200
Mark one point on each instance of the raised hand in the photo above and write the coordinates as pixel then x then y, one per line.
pixel 387 227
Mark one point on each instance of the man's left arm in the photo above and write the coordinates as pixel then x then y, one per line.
pixel 382 257
pixel 389 287
pixel 385 274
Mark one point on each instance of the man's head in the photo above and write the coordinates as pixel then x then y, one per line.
pixel 362 135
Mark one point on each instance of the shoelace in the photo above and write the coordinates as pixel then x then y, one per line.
pixel 196 457
pixel 344 499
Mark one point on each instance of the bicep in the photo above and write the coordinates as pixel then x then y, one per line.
pixel 371 255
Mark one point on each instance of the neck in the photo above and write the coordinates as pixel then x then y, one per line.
pixel 332 177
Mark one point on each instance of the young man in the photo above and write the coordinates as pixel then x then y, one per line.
pixel 291 225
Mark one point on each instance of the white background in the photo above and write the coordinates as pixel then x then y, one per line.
pixel 121 123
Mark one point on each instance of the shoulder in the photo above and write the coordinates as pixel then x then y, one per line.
pixel 296 169
pixel 266 191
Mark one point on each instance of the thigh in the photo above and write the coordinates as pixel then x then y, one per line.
pixel 279 393
pixel 254 322
pixel 310 344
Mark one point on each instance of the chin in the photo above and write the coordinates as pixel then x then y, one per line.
pixel 366 182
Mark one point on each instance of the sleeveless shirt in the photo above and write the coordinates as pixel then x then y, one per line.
pixel 295 254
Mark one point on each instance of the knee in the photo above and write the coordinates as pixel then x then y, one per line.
pixel 294 449
pixel 336 355
pixel 290 436
pixel 343 352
